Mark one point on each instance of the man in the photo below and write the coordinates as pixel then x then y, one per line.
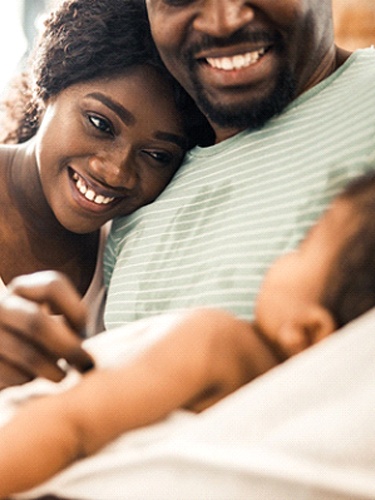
pixel 290 112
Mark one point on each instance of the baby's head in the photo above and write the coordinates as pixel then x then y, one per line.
pixel 329 280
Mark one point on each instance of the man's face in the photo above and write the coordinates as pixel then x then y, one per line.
pixel 242 61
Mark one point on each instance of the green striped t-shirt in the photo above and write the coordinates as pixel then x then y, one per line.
pixel 232 208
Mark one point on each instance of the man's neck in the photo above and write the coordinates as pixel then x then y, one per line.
pixel 333 59
pixel 221 134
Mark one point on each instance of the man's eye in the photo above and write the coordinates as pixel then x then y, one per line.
pixel 101 124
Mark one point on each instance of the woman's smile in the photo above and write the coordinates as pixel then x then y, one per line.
pixel 90 195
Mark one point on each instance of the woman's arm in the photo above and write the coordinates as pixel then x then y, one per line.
pixel 199 357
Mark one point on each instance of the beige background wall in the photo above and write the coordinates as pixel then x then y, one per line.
pixel 354 23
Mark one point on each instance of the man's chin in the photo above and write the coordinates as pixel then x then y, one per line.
pixel 247 115
pixel 230 117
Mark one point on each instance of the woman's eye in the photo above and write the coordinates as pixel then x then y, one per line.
pixel 160 156
pixel 101 124
pixel 178 3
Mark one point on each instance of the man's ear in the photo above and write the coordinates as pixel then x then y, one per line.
pixel 311 325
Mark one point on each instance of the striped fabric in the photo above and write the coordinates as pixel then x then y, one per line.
pixel 234 207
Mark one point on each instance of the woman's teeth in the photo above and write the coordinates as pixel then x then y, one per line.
pixel 236 62
pixel 89 193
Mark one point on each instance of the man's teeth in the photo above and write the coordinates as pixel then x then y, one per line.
pixel 89 193
pixel 236 62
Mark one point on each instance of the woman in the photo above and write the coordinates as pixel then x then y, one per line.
pixel 105 133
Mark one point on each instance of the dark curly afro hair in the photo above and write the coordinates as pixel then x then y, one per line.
pixel 83 40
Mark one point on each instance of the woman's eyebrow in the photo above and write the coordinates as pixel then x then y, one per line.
pixel 129 119
pixel 124 114
pixel 179 140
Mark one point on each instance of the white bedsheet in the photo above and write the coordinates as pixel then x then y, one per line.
pixel 305 430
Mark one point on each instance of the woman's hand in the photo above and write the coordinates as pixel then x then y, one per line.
pixel 32 337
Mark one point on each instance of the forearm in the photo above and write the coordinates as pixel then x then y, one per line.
pixel 195 353
pixel 48 434
pixel 37 443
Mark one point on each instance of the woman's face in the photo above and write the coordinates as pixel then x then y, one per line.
pixel 109 146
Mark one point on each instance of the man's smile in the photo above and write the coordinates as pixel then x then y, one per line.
pixel 238 61
pixel 234 68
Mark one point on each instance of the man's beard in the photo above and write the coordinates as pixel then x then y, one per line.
pixel 254 115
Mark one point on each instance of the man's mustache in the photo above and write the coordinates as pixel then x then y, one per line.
pixel 207 42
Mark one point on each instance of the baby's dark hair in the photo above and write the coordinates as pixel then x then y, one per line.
pixel 83 40
pixel 350 290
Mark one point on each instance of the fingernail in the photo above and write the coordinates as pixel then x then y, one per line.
pixel 89 365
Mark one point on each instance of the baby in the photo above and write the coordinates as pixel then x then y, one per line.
pixel 194 358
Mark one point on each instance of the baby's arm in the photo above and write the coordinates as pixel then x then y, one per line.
pixel 201 356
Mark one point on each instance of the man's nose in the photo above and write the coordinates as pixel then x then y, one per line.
pixel 221 18
pixel 116 170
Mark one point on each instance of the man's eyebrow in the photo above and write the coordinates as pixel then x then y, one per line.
pixel 125 115
pixel 179 140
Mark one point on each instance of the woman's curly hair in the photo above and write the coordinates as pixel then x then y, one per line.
pixel 83 40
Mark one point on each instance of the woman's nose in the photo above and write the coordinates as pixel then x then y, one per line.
pixel 115 170
pixel 222 18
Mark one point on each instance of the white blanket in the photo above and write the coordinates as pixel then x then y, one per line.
pixel 305 430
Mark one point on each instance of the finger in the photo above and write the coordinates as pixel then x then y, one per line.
pixel 11 375
pixel 26 361
pixel 54 289
pixel 51 338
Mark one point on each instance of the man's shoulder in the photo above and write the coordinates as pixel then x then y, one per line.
pixel 363 61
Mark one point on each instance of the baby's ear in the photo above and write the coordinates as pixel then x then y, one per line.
pixel 312 324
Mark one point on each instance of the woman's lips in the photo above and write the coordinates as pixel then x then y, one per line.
pixel 89 193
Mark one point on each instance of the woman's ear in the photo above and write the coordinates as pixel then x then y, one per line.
pixel 312 324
